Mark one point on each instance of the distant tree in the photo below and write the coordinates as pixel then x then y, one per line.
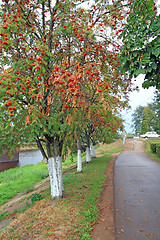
pixel 148 119
pixel 156 106
pixel 144 119
pixel 137 118
pixel 140 53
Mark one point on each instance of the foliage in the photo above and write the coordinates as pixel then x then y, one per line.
pixel 155 148
pixel 148 119
pixel 144 119
pixel 137 118
pixel 58 61
pixel 158 149
pixel 156 107
pixel 59 71
pixel 141 43
pixel 35 197
pixel 148 148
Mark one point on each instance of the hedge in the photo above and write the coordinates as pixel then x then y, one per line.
pixel 155 147
pixel 158 149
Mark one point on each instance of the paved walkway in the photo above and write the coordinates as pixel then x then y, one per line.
pixel 137 197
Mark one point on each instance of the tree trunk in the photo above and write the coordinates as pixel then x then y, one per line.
pixel 88 154
pixel 61 177
pixel 93 151
pixel 55 174
pixel 79 159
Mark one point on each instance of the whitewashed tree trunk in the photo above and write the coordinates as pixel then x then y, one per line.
pixel 60 170
pixel 88 154
pixel 79 161
pixel 55 174
pixel 93 151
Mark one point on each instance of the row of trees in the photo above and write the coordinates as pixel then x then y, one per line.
pixel 60 76
pixel 147 118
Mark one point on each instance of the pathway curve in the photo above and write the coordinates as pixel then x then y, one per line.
pixel 137 195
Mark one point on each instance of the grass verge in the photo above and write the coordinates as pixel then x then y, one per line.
pixel 16 180
pixel 108 149
pixel 46 218
pixel 148 149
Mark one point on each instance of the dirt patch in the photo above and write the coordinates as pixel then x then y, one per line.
pixel 15 205
pixel 134 145
pixel 139 145
pixel 104 229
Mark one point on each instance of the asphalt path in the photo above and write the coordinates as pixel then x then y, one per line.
pixel 137 197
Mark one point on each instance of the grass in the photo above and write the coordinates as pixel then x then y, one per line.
pixel 48 217
pixel 72 159
pixel 16 180
pixel 148 149
pixel 108 149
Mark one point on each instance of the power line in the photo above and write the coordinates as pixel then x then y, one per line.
pixel 138 105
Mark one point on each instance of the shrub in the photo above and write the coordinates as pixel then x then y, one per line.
pixel 158 149
pixel 153 147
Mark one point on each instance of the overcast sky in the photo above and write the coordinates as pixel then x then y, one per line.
pixel 140 98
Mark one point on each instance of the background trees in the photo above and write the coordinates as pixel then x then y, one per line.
pixel 156 107
pixel 141 42
pixel 137 118
pixel 59 60
pixel 147 118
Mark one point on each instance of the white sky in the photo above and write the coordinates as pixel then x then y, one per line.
pixel 140 98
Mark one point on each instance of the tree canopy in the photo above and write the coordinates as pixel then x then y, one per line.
pixel 140 53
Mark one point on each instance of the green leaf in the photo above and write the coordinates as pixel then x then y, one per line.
pixel 154 65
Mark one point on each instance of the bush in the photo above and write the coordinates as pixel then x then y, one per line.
pixel 158 149
pixel 153 147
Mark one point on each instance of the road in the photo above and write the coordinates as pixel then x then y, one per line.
pixel 137 196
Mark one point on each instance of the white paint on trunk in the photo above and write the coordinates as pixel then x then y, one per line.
pixel 60 170
pixel 93 151
pixel 79 161
pixel 55 174
pixel 88 154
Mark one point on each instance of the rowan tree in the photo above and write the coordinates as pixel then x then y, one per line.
pixel 56 57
